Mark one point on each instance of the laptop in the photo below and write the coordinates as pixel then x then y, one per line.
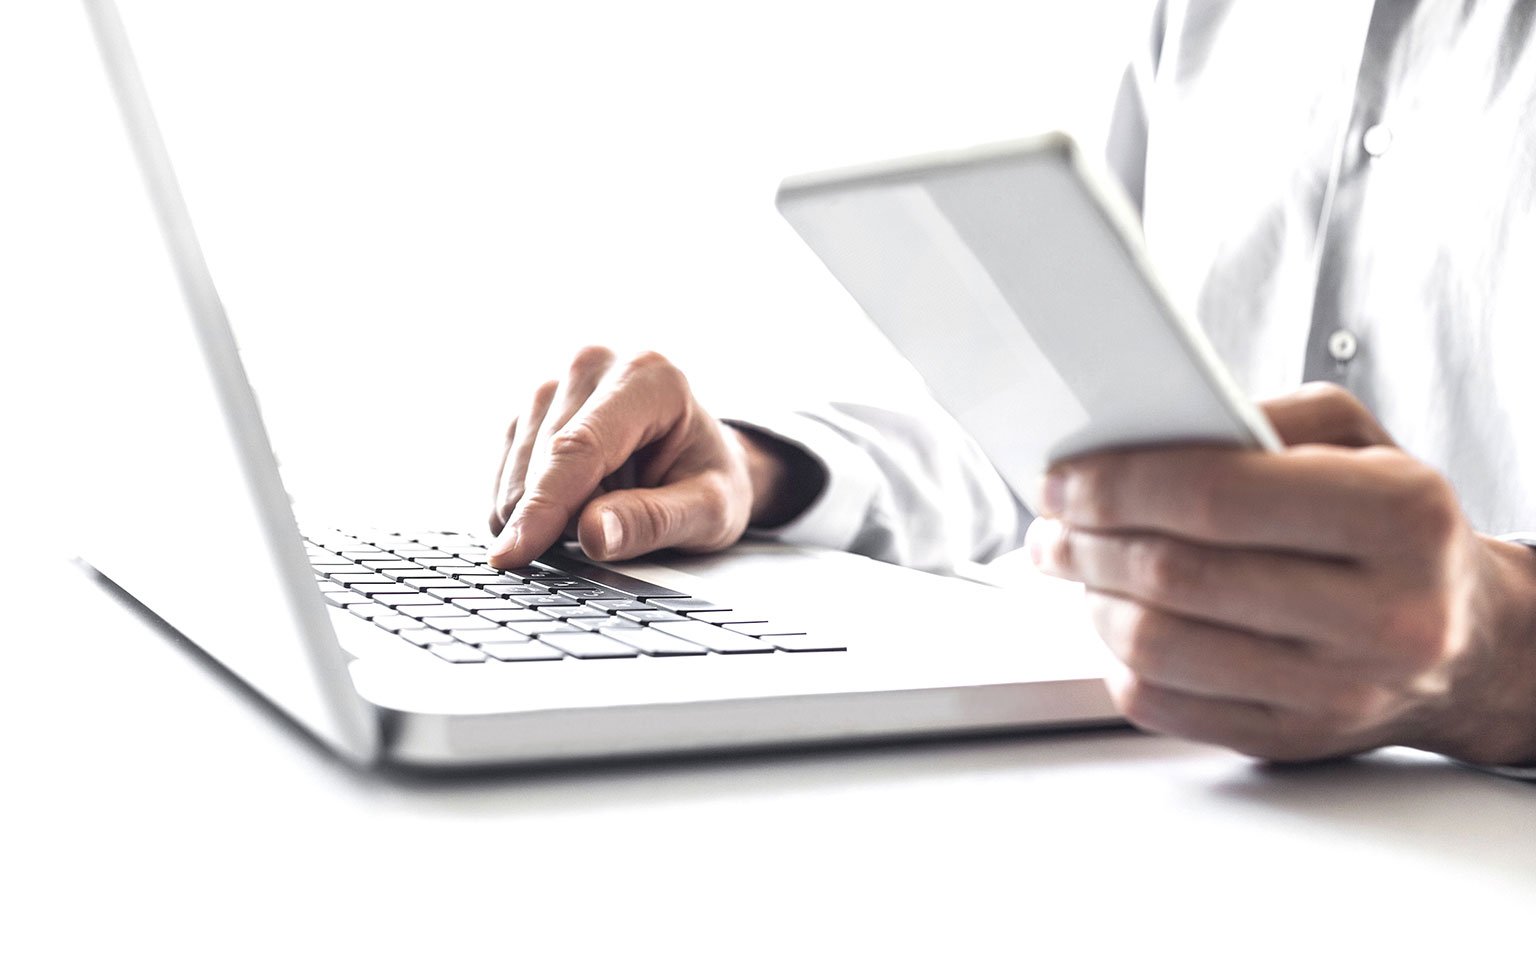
pixel 404 648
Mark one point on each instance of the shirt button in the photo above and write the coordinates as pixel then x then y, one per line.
pixel 1343 346
pixel 1377 139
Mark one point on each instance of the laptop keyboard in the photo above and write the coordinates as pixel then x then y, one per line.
pixel 435 590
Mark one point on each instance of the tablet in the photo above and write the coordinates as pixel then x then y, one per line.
pixel 1013 277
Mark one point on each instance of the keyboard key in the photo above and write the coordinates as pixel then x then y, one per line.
pixel 613 606
pixel 345 599
pixel 588 646
pixel 650 615
pixel 370 611
pixel 586 615
pixel 520 615
pixel 801 643
pixel 654 643
pixel 393 563
pixel 556 583
pixel 428 583
pixel 478 637
pixel 588 594
pixel 523 573
pixel 718 617
pixel 686 604
pixel 418 605
pixel 608 624
pixel 600 576
pixel 482 602
pixel 526 650
pixel 396 623
pixel 512 590
pixel 450 563
pixel 460 592
pixel 714 638
pixel 424 637
pixel 419 553
pixel 382 589
pixel 546 600
pixel 452 624
pixel 762 629
pixel 457 652
pixel 540 628
pixel 356 579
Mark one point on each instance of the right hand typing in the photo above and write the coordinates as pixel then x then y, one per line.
pixel 622 455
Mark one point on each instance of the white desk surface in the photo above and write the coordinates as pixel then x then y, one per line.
pixel 156 810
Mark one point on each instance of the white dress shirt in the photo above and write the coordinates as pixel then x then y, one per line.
pixel 1338 190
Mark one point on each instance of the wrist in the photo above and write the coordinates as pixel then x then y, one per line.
pixel 1488 714
pixel 785 480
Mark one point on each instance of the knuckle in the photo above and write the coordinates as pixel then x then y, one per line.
pixel 1143 643
pixel 1338 405
pixel 715 521
pixel 656 367
pixel 1420 502
pixel 578 441
pixel 1169 571
pixel 656 520
pixel 1092 493
pixel 1416 636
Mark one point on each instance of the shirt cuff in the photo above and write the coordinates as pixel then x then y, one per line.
pixel 836 517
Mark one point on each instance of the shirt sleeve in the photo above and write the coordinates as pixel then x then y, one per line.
pixel 907 486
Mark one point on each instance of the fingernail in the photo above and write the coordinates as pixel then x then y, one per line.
pixel 613 532
pixel 506 542
pixel 1051 493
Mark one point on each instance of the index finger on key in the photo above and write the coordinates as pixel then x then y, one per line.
pixel 637 406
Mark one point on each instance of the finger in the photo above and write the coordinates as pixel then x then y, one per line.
pixel 497 520
pixel 588 368
pixel 694 514
pixel 1317 499
pixel 635 409
pixel 1247 589
pixel 1324 413
pixel 514 461
pixel 1210 660
pixel 1251 728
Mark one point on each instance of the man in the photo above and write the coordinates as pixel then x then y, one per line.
pixel 1346 191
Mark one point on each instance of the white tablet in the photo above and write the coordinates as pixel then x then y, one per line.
pixel 1013 278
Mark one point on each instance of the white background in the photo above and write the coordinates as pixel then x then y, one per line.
pixel 456 196
pixel 445 200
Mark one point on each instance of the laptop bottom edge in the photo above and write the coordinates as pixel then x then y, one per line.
pixel 545 737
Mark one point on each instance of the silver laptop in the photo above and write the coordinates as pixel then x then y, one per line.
pixel 403 647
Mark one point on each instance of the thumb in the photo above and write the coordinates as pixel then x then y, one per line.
pixel 697 514
pixel 1324 413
